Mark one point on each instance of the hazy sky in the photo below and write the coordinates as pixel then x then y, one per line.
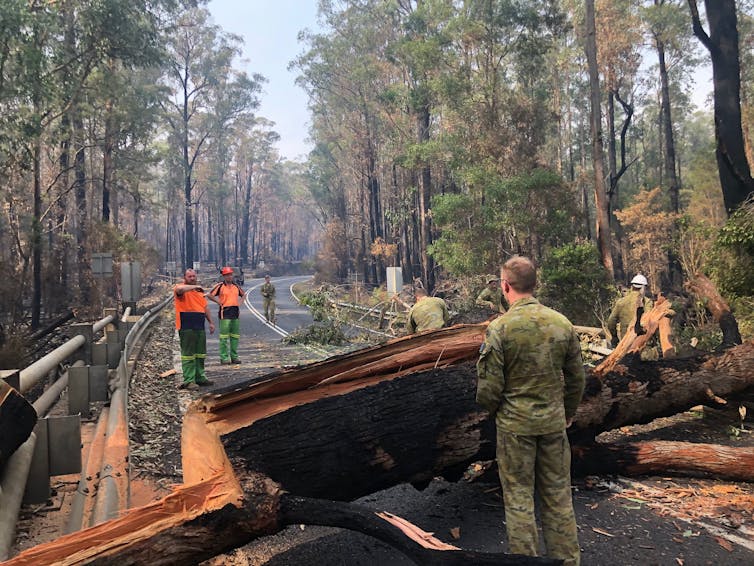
pixel 269 29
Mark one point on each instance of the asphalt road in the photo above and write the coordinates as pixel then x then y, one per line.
pixel 254 329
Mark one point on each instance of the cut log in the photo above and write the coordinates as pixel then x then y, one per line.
pixel 632 343
pixel 17 420
pixel 349 426
pixel 705 290
pixel 662 457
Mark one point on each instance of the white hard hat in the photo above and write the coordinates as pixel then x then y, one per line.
pixel 638 280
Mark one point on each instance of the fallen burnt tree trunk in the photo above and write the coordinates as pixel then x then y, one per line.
pixel 347 427
pixel 663 457
pixel 17 420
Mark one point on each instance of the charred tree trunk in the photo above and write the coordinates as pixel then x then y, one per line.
pixel 17 420
pixel 661 457
pixel 348 426
pixel 722 44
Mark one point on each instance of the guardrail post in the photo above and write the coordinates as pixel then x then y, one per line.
pixel 113 348
pixel 56 452
pixel 113 313
pixel 38 482
pixel 85 329
pixel 85 385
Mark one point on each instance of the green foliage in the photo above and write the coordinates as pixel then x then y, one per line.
pixel 573 281
pixel 323 332
pixel 500 216
pixel 733 254
pixel 318 303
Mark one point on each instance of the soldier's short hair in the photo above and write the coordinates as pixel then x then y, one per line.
pixel 420 292
pixel 520 274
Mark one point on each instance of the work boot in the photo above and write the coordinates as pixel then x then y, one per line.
pixel 190 386
pixel 235 361
pixel 205 383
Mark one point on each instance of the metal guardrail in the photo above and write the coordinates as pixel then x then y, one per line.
pixel 16 472
pixel 113 492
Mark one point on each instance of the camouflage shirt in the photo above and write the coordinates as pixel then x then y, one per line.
pixel 268 291
pixel 429 313
pixel 531 376
pixel 624 313
pixel 492 298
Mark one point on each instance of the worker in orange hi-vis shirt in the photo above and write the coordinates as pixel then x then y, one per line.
pixel 227 294
pixel 191 310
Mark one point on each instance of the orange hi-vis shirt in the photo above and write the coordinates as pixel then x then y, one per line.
pixel 189 309
pixel 228 294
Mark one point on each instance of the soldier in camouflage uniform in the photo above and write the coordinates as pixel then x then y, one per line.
pixel 428 313
pixel 268 299
pixel 531 379
pixel 492 296
pixel 624 312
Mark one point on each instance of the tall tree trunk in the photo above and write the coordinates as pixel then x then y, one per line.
pixel 82 219
pixel 107 160
pixel 600 198
pixel 243 241
pixel 36 237
pixel 425 194
pixel 722 44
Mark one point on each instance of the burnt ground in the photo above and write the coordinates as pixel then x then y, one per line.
pixel 647 520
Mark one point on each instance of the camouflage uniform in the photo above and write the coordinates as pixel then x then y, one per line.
pixel 623 314
pixel 492 298
pixel 531 379
pixel 268 301
pixel 428 313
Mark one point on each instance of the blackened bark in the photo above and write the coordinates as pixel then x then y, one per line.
pixel 722 44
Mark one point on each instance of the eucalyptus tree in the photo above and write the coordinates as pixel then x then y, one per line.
pixel 722 42
pixel 347 75
pixel 254 151
pixel 200 58
pixel 601 203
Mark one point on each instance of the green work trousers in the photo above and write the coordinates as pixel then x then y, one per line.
pixel 229 332
pixel 268 305
pixel 193 354
pixel 544 462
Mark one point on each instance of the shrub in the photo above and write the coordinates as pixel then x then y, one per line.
pixel 574 282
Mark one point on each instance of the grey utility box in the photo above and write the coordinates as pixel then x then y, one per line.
pixel 394 281
pixel 130 278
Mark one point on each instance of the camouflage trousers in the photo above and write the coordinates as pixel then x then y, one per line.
pixel 268 306
pixel 541 462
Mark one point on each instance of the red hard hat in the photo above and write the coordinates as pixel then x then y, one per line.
pixel 226 271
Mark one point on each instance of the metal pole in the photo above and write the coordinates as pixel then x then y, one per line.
pixel 36 371
pixel 12 486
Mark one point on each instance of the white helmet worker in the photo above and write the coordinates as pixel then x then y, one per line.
pixel 639 281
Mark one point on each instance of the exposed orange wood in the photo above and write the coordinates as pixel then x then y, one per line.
pixel 422 537
pixel 631 343
pixel 184 504
pixel 666 338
